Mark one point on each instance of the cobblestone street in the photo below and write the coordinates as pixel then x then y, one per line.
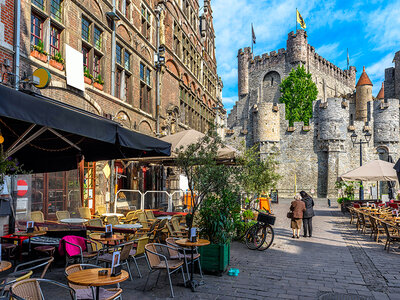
pixel 336 263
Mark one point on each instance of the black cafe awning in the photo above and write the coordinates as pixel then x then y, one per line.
pixel 46 135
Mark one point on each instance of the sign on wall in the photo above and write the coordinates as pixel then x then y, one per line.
pixel 74 68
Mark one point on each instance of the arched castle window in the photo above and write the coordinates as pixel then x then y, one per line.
pixel 270 86
pixel 272 78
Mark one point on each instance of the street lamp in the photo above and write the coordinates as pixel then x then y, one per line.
pixel 367 137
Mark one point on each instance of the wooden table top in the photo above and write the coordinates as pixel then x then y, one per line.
pixel 5 265
pixel 91 277
pixel 186 243
pixel 114 237
pixel 30 234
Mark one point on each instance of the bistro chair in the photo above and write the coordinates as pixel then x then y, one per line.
pixel 112 220
pixel 160 231
pixel 77 248
pixel 37 216
pixel 130 217
pixel 160 262
pixel 34 265
pixel 30 289
pixel 62 214
pixel 96 222
pixel 100 209
pixel 84 213
pixel 83 292
pixel 10 280
pixel 390 237
pixel 139 252
pixel 124 258
pixel 150 215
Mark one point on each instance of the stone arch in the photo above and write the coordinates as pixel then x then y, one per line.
pixel 204 100
pixel 95 8
pixel 185 79
pixel 123 118
pixel 173 68
pixel 198 92
pixel 123 32
pixel 270 86
pixel 175 10
pixel 193 87
pixel 145 127
pixel 209 104
pixel 146 52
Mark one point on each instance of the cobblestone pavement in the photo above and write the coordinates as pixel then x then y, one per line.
pixel 336 263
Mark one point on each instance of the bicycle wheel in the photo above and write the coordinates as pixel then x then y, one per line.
pixel 255 237
pixel 269 237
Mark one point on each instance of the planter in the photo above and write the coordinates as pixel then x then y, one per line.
pixel 87 80
pixel 38 55
pixel 56 64
pixel 215 258
pixel 98 86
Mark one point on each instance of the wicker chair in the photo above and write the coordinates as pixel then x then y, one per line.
pixel 130 217
pixel 91 253
pixel 96 222
pixel 62 214
pixel 150 215
pixel 112 220
pixel 124 258
pixel 30 289
pixel 390 237
pixel 84 292
pixel 159 262
pixel 100 209
pixel 84 213
pixel 37 216
pixel 139 253
pixel 10 280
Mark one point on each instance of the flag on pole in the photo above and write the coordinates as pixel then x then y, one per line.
pixel 300 20
pixel 348 59
pixel 253 35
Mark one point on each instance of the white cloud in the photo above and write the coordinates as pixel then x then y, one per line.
pixel 229 101
pixel 376 72
pixel 329 51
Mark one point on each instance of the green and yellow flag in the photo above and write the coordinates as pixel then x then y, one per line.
pixel 300 20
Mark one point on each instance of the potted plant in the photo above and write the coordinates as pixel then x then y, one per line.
pixel 87 76
pixel 38 51
pixel 346 194
pixel 98 82
pixel 57 61
pixel 8 165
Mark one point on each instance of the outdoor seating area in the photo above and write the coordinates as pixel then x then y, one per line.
pixel 136 235
pixel 380 220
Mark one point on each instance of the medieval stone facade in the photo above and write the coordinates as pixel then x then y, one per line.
pixel 312 157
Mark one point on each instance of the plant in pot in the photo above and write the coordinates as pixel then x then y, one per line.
pixel 38 51
pixel 8 165
pixel 57 61
pixel 87 76
pixel 98 82
pixel 346 193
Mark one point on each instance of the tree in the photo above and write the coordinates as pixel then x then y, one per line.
pixel 298 93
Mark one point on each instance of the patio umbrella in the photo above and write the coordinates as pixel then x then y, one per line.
pixel 376 170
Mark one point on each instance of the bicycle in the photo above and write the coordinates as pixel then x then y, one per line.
pixel 261 235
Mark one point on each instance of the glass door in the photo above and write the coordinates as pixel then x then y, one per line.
pixel 89 184
pixel 56 193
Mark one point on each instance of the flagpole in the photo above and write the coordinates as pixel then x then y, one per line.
pixel 296 20
pixel 252 40
pixel 347 58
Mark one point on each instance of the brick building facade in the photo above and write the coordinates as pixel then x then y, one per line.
pixel 6 38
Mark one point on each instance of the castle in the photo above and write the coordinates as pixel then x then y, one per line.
pixel 312 157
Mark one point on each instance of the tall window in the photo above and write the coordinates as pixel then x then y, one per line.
pixel 36 29
pixel 55 9
pixel 85 52
pixel 118 77
pixel 96 65
pixel 39 3
pixel 123 76
pixel 118 54
pixel 177 40
pixel 127 60
pixel 54 41
pixel 124 7
pixel 145 88
pixel 97 38
pixel 146 22
pixel 86 29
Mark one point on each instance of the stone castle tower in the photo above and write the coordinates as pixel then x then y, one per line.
pixel 312 157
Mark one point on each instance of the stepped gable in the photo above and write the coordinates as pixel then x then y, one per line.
pixel 381 94
pixel 364 79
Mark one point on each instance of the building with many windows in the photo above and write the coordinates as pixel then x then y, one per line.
pixel 148 64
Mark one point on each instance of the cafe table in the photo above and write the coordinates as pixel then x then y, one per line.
pixel 106 240
pixel 164 217
pixel 112 214
pixel 192 245
pixel 30 235
pixel 73 221
pixel 5 265
pixel 91 277
pixel 128 226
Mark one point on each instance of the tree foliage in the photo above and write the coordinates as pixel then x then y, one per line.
pixel 298 93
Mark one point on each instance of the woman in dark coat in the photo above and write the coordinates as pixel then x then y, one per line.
pixel 308 214
pixel 298 208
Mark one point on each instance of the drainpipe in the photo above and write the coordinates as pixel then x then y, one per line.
pixel 113 46
pixel 158 69
pixel 17 41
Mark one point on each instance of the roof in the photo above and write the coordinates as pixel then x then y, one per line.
pixel 364 79
pixel 381 94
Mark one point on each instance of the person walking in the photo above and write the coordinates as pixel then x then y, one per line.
pixel 298 208
pixel 308 214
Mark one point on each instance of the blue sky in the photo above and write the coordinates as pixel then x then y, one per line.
pixel 369 29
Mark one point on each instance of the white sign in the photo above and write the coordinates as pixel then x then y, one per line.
pixel 183 183
pixel 74 68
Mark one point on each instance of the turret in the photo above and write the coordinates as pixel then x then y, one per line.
pixel 332 120
pixel 243 70
pixel 363 96
pixel 381 94
pixel 296 46
pixel 386 121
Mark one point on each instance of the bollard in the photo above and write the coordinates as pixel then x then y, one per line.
pixel 329 202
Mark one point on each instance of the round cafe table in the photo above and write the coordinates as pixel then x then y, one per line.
pixel 73 221
pixel 91 277
pixel 192 245
pixel 164 217
pixel 4 265
pixel 106 240
pixel 112 214
pixel 29 235
pixel 128 226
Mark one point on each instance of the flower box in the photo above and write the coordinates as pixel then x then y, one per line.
pixel 38 55
pixel 87 80
pixel 215 257
pixel 291 129
pixel 56 64
pixel 98 86
pixel 306 128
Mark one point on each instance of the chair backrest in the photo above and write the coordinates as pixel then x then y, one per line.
pixel 62 214
pixel 113 220
pixel 140 245
pixel 153 259
pixel 154 225
pixel 150 214
pixel 170 229
pixel 175 224
pixel 356 205
pixel 141 216
pixel 70 270
pixel 162 224
pixel 126 249
pixel 84 212
pixel 37 216
pixel 101 209
pixel 27 289
pixel 96 222
pixel 173 250
pixel 36 264
pixel 385 226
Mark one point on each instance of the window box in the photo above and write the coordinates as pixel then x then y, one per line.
pixel 56 64
pixel 38 55
pixel 87 80
pixel 98 86
pixel 306 128
pixel 291 129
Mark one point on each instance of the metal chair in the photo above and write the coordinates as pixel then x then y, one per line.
pixel 30 289
pixel 83 292
pixel 139 252
pixel 84 256
pixel 35 264
pixel 124 258
pixel 390 237
pixel 159 262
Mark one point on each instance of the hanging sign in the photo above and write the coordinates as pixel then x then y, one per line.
pixel 44 78
pixel 22 187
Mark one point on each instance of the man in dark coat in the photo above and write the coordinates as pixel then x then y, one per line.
pixel 308 214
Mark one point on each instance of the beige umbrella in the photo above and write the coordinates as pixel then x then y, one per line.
pixel 376 170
